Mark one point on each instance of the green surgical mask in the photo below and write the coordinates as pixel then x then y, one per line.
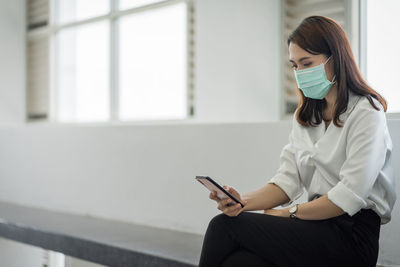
pixel 313 81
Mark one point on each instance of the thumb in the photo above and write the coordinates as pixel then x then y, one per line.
pixel 228 188
pixel 233 191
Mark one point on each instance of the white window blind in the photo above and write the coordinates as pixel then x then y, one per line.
pixel 294 12
pixel 37 100
pixel 38 85
pixel 38 13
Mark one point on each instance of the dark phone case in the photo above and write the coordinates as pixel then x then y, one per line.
pixel 202 178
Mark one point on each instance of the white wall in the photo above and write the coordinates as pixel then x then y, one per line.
pixel 12 61
pixel 134 173
pixel 16 254
pixel 390 233
pixel 238 59
pixel 74 262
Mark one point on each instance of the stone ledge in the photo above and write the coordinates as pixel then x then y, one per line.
pixel 101 241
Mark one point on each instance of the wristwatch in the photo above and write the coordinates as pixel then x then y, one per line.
pixel 293 211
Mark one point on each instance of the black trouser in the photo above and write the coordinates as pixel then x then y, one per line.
pixel 256 239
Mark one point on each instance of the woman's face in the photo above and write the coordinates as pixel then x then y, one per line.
pixel 301 59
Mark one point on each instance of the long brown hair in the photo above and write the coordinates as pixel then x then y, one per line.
pixel 322 35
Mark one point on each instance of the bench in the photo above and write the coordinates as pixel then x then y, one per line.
pixel 101 241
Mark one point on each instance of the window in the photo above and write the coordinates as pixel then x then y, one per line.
pixel 100 60
pixel 380 49
pixel 76 10
pixel 125 4
pixel 152 69
pixel 83 73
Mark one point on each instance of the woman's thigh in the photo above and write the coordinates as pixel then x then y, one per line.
pixel 243 258
pixel 288 242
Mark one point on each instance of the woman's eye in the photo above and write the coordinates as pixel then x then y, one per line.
pixel 307 64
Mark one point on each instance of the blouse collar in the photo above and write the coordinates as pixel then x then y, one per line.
pixel 353 99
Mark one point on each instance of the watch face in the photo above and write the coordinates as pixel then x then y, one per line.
pixel 293 209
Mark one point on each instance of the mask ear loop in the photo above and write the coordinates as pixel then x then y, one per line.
pixel 333 79
pixel 334 76
pixel 327 59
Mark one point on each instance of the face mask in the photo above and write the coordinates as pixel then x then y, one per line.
pixel 313 81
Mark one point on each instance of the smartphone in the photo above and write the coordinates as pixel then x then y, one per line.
pixel 214 186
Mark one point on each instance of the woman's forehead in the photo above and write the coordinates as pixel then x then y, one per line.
pixel 296 53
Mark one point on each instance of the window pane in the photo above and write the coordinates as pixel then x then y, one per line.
pixel 153 64
pixel 73 10
pixel 83 73
pixel 126 4
pixel 382 46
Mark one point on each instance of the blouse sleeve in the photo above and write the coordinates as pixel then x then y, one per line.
pixel 365 156
pixel 287 176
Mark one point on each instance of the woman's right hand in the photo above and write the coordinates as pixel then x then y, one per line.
pixel 227 205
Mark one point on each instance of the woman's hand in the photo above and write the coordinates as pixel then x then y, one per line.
pixel 227 205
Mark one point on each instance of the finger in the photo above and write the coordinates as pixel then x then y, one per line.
pixel 220 207
pixel 240 210
pixel 216 196
pixel 237 196
pixel 233 191
pixel 229 188
pixel 226 201
pixel 213 195
pixel 232 209
pixel 235 210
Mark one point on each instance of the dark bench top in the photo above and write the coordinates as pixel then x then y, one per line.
pixel 106 242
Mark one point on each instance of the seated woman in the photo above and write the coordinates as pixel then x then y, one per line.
pixel 339 150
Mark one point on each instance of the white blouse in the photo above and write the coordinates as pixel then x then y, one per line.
pixel 352 164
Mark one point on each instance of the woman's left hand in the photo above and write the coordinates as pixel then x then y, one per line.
pixel 280 213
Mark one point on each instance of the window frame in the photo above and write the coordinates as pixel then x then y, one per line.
pixel 363 47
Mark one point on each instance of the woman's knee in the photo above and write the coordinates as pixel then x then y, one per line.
pixel 217 220
pixel 223 222
pixel 222 218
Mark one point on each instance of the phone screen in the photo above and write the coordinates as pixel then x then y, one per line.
pixel 214 186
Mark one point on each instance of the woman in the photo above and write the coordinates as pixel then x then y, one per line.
pixel 339 150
